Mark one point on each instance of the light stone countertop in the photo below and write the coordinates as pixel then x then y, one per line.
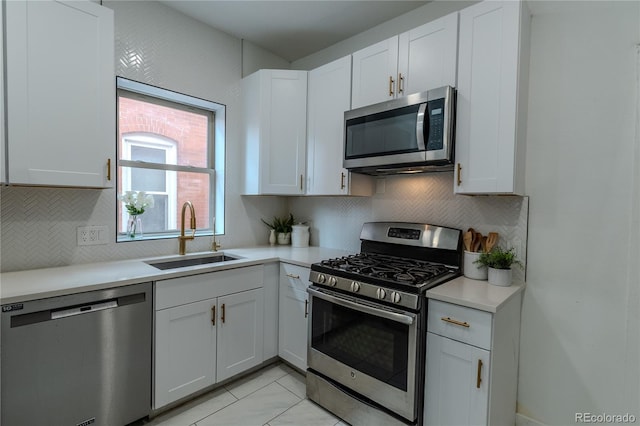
pixel 22 286
pixel 474 293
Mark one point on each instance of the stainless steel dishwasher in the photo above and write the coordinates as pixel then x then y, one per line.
pixel 82 359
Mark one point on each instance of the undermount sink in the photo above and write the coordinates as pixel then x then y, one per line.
pixel 190 261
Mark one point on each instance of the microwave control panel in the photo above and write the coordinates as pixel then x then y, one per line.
pixel 435 112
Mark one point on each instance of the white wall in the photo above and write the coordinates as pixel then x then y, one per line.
pixel 579 341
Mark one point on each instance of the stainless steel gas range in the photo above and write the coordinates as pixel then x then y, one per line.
pixel 367 332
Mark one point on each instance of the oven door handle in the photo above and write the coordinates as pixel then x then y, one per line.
pixel 407 319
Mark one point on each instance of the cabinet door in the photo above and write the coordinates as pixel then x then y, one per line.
pixel 283 132
pixel 292 338
pixel 374 73
pixel 488 67
pixel 428 56
pixel 240 334
pixel 185 350
pixel 329 97
pixel 60 93
pixel 456 388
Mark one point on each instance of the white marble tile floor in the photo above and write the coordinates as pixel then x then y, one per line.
pixel 272 396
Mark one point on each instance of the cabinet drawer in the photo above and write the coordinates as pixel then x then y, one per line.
pixel 178 291
pixel 460 323
pixel 296 277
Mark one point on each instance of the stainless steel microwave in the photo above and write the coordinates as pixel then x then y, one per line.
pixel 407 135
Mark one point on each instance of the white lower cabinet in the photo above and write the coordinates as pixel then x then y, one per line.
pixel 239 333
pixel 208 328
pixel 472 364
pixel 185 351
pixel 457 383
pixel 294 312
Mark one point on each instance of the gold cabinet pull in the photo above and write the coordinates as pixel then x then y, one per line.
pixel 108 168
pixel 297 277
pixel 459 173
pixel 400 83
pixel 306 308
pixel 213 315
pixel 300 182
pixel 391 86
pixel 223 313
pixel 479 378
pixel 342 176
pixel 456 322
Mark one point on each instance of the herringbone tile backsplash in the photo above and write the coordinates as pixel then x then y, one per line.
pixel 38 225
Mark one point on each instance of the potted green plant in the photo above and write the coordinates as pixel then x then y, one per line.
pixel 282 228
pixel 498 262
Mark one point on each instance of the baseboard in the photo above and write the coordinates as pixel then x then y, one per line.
pixel 526 421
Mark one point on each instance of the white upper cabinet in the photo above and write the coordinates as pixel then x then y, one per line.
pixel 428 56
pixel 374 73
pixel 329 96
pixel 492 95
pixel 417 60
pixel 275 118
pixel 60 93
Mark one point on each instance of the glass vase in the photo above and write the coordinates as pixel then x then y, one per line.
pixel 134 227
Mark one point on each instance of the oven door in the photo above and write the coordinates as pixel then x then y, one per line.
pixel 366 347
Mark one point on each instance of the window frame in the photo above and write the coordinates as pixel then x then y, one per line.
pixel 216 150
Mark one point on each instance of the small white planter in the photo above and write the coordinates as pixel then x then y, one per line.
pixel 284 238
pixel 500 277
pixel 473 270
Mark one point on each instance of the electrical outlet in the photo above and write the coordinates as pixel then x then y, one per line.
pixel 92 235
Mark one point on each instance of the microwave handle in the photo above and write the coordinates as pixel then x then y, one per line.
pixel 422 127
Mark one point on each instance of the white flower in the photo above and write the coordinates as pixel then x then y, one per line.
pixel 136 202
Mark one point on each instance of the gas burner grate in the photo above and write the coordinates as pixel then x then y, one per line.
pixel 401 270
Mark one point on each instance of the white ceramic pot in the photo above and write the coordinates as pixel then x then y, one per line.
pixel 473 270
pixel 501 277
pixel 300 236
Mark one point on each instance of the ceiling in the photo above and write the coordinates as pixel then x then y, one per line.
pixel 293 29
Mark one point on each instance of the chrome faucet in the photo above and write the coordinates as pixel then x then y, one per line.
pixel 182 238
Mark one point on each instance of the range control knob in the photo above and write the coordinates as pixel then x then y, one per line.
pixel 395 297
pixel 322 278
pixel 333 281
pixel 381 294
pixel 355 286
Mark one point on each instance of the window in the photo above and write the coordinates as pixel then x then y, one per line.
pixel 172 147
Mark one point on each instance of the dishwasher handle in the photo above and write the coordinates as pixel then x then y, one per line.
pixel 85 309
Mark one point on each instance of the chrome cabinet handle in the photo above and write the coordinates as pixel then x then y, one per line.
pixel 456 322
